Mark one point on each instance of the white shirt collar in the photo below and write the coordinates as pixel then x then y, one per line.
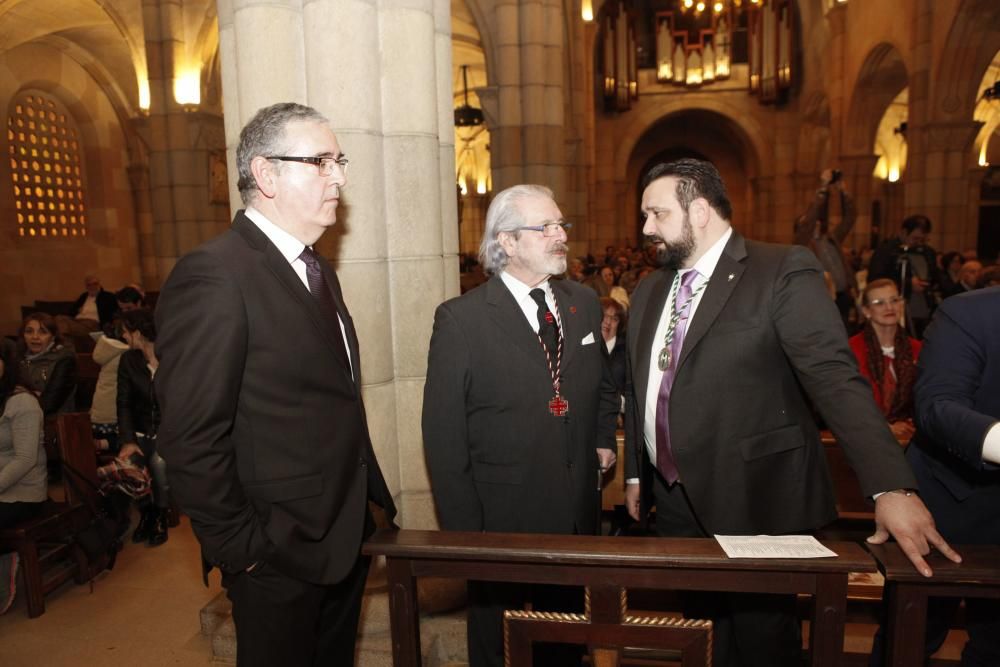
pixel 706 263
pixel 289 246
pixel 520 290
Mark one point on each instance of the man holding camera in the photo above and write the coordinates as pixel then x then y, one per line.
pixel 812 230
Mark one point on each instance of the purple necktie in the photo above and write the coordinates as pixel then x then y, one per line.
pixel 664 454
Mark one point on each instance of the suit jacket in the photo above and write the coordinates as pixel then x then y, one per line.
pixel 498 460
pixel 743 436
pixel 957 398
pixel 263 427
pixel 138 410
pixel 107 305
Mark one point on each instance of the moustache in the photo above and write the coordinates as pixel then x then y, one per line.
pixel 559 247
pixel 652 239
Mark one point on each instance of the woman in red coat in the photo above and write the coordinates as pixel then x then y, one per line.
pixel 887 357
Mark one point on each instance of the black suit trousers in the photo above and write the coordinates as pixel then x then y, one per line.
pixel 281 620
pixel 748 629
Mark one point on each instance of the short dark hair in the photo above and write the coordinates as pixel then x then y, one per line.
pixel 129 294
pixel 620 311
pixel 695 178
pixel 915 222
pixel 264 135
pixel 140 320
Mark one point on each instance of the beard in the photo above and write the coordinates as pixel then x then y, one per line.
pixel 673 254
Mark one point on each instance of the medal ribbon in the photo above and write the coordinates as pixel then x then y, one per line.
pixel 675 312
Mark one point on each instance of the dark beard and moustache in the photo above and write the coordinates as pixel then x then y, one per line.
pixel 673 254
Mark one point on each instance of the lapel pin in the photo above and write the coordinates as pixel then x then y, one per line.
pixel 572 309
pixel 731 276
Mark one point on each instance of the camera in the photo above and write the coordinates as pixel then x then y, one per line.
pixel 835 176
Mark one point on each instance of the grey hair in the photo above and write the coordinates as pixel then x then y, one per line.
pixel 263 135
pixel 505 216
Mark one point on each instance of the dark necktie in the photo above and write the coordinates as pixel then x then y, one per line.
pixel 664 452
pixel 320 290
pixel 548 329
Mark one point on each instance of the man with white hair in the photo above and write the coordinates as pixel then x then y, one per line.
pixel 519 406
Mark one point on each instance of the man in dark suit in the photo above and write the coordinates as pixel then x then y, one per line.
pixel 956 453
pixel 519 406
pixel 94 308
pixel 264 429
pixel 723 340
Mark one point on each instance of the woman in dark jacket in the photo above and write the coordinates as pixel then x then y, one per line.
pixel 47 366
pixel 139 418
pixel 613 333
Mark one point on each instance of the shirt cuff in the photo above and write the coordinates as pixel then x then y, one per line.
pixel 991 445
pixel 632 480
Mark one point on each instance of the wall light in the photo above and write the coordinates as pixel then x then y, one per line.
pixel 187 87
pixel 587 10
pixel 144 93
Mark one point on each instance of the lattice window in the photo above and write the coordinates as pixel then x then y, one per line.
pixel 44 152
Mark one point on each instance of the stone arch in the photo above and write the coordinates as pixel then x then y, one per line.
pixel 751 130
pixel 882 76
pixel 485 28
pixel 973 41
pixel 732 147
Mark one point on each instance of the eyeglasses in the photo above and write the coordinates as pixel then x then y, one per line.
pixel 548 229
pixel 892 301
pixel 325 164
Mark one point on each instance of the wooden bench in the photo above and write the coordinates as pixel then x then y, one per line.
pixel 44 543
pixel 607 567
pixel 977 576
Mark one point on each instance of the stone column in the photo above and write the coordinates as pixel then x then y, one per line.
pixel 138 178
pixel 837 20
pixel 937 183
pixel 765 226
pixel 858 182
pixel 381 71
pixel 180 141
pixel 529 142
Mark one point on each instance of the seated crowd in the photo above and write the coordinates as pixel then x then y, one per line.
pixel 39 380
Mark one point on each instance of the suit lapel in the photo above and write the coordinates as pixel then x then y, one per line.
pixel 285 274
pixel 509 317
pixel 572 326
pixel 649 319
pixel 724 280
pixel 338 299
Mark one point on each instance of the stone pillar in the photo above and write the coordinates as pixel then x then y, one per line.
pixel 381 71
pixel 858 182
pixel 937 183
pixel 837 20
pixel 529 142
pixel 138 178
pixel 765 226
pixel 180 141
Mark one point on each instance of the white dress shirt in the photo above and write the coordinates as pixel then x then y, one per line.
pixel 705 267
pixel 522 294
pixel 991 445
pixel 291 248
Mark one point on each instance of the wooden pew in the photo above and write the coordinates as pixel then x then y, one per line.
pixel 977 576
pixel 607 567
pixel 44 543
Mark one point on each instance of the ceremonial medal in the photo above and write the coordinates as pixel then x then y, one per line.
pixel 558 406
pixel 664 360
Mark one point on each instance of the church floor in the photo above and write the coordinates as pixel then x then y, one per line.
pixel 145 612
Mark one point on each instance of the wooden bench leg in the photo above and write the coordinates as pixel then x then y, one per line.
pixel 34 590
